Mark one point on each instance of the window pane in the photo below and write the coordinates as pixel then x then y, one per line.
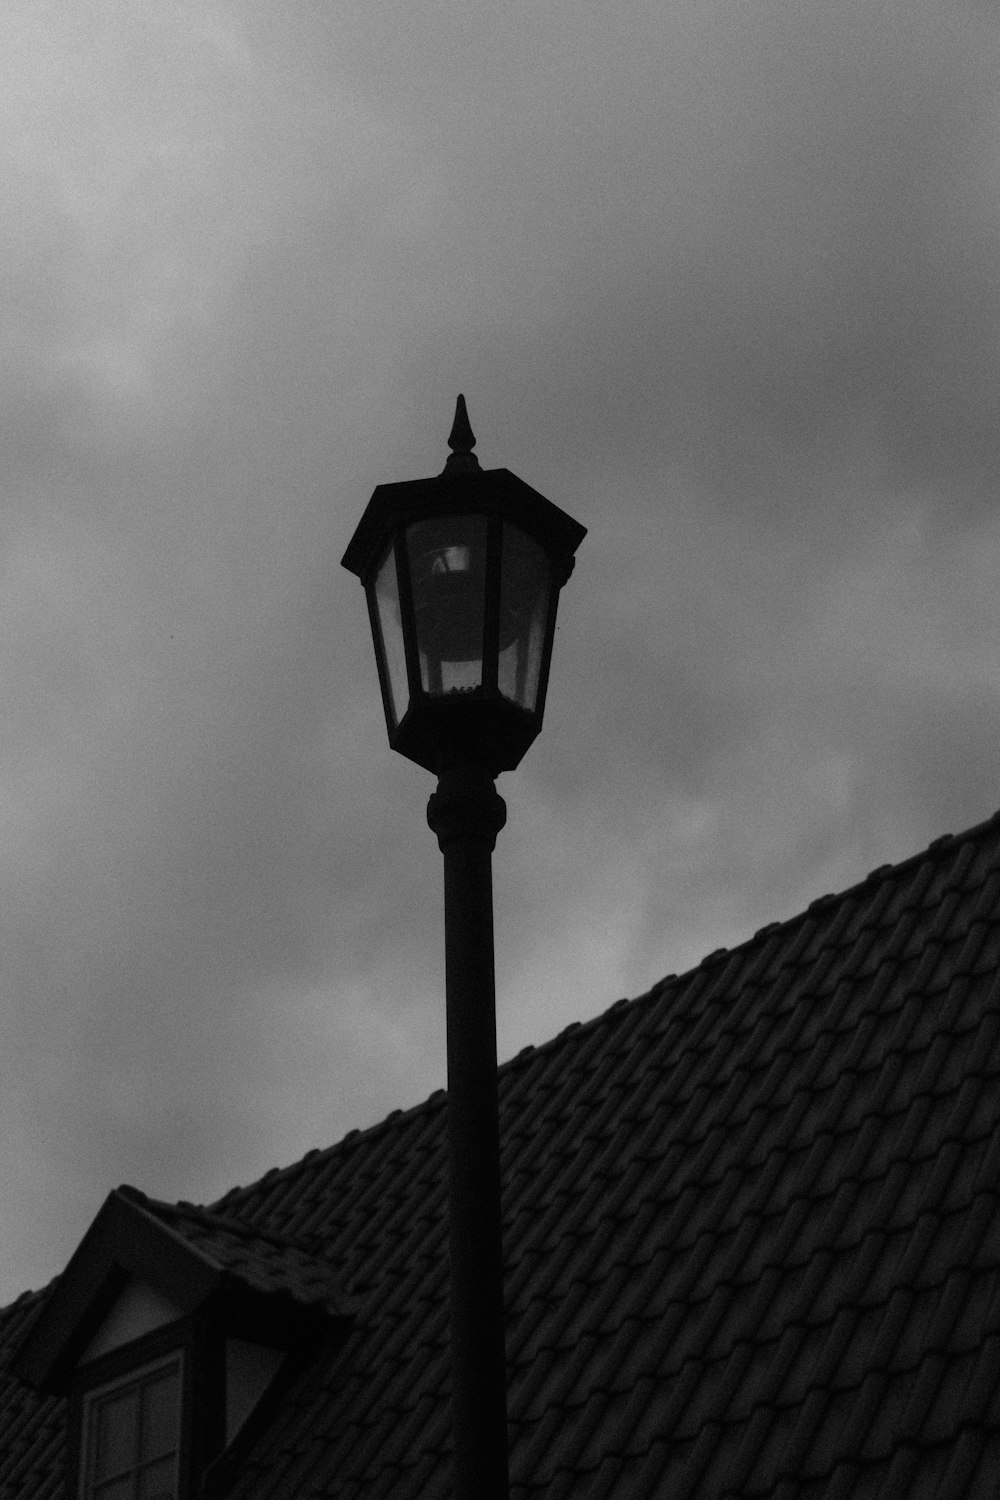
pixel 132 1437
pixel 447 557
pixel 117 1436
pixel 387 609
pixel 160 1402
pixel 157 1481
pixel 524 603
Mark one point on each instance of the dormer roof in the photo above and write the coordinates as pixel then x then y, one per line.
pixel 191 1258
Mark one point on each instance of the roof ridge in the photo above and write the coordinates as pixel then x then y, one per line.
pixel 878 874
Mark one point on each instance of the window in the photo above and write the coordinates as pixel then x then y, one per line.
pixel 132 1437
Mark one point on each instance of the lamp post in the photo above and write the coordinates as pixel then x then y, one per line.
pixel 462 574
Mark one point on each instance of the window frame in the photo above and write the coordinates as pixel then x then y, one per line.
pixel 96 1397
pixel 188 1341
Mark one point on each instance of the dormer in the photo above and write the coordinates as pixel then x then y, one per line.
pixel 171 1332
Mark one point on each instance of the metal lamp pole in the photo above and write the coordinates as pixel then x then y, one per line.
pixel 463 573
pixel 466 814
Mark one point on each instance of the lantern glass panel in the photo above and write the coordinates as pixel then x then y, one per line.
pixel 448 578
pixel 393 663
pixel 525 586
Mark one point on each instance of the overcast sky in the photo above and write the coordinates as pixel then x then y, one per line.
pixel 721 280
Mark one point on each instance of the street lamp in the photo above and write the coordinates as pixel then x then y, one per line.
pixel 462 574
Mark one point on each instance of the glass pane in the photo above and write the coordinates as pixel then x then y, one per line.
pixel 524 604
pixel 160 1413
pixel 448 571
pixel 117 1434
pixel 391 630
pixel 157 1481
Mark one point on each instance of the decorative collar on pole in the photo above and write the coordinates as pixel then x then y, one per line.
pixel 461 441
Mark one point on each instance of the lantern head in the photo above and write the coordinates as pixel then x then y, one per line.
pixel 462 574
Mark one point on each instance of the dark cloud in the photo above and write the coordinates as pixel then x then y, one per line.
pixel 722 283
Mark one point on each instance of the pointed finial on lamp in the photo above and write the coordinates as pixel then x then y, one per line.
pixel 461 441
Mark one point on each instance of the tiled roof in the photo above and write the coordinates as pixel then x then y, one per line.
pixel 266 1262
pixel 752 1233
pixel 32 1427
